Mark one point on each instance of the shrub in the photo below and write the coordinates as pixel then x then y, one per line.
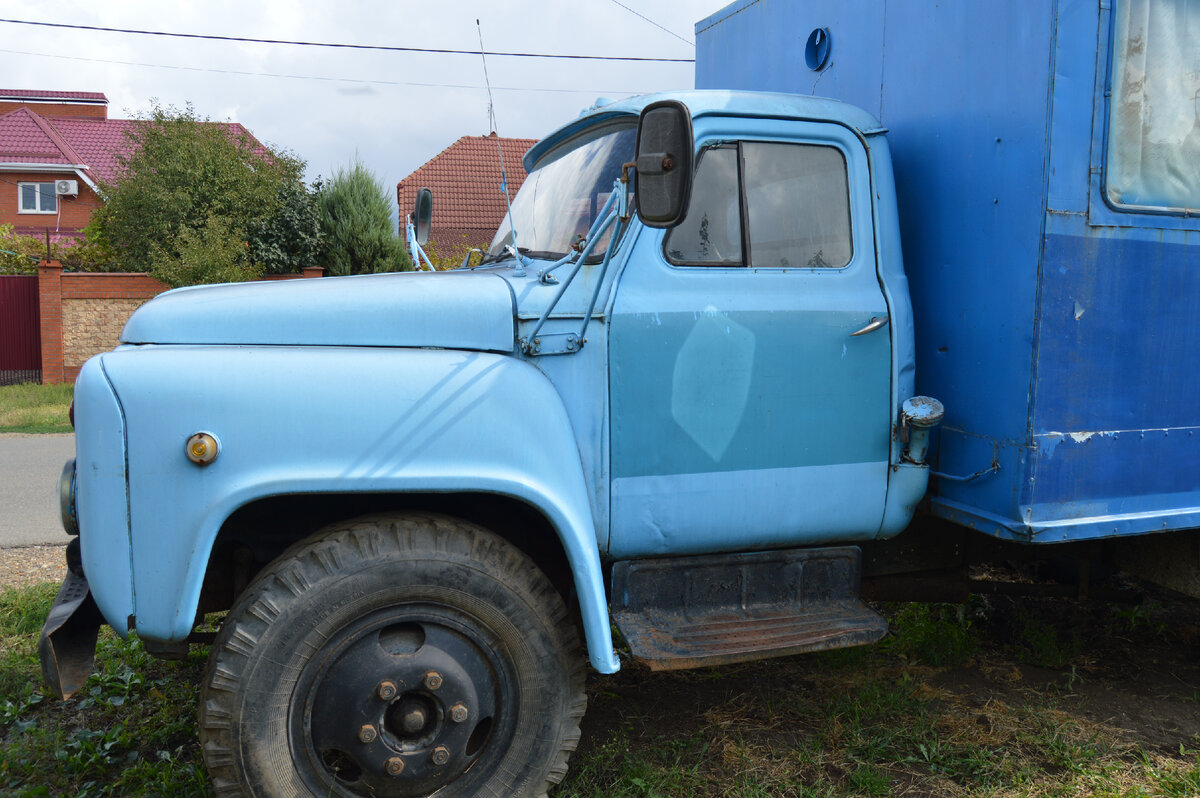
pixel 289 240
pixel 187 189
pixel 19 254
pixel 212 254
pixel 357 226
pixel 937 634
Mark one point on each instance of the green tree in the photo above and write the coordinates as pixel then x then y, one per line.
pixel 357 226
pixel 187 190
pixel 289 240
pixel 212 254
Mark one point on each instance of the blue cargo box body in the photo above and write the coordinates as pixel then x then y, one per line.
pixel 1058 327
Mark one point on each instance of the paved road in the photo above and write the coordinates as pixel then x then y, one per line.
pixel 29 469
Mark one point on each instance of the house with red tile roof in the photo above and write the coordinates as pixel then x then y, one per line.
pixel 468 205
pixel 55 147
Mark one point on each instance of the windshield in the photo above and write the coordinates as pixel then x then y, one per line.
pixel 560 199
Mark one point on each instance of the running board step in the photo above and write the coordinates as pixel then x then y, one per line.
pixel 689 612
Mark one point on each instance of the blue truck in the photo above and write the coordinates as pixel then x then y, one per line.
pixel 679 394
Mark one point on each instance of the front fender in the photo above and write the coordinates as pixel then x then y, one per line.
pixel 302 420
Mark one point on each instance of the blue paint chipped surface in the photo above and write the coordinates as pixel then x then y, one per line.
pixel 1058 331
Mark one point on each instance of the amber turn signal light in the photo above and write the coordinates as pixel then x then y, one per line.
pixel 202 448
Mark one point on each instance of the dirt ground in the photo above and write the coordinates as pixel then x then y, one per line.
pixel 1126 676
pixel 22 566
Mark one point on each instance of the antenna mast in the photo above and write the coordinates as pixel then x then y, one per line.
pixel 520 270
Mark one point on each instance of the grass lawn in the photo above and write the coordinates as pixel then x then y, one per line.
pixel 1027 698
pixel 35 408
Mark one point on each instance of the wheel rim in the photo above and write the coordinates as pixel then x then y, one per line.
pixel 402 702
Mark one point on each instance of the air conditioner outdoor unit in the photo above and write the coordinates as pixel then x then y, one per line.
pixel 66 188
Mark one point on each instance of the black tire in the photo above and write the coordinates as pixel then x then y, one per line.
pixel 301 664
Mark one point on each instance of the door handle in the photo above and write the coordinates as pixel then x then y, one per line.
pixel 874 324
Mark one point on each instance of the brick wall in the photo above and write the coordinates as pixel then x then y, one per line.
pixel 73 212
pixel 63 110
pixel 83 313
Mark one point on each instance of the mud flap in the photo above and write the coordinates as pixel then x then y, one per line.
pixel 67 646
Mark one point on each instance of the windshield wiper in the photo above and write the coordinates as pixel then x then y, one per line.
pixel 507 252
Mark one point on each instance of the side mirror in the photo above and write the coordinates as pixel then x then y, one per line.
pixel 664 163
pixel 423 215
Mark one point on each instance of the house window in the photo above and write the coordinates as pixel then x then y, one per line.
pixel 38 198
pixel 1154 116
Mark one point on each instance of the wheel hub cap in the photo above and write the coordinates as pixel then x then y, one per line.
pixel 410 679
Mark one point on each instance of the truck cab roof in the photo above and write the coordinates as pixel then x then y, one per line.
pixel 759 104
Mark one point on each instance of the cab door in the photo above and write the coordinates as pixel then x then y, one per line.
pixel 750 360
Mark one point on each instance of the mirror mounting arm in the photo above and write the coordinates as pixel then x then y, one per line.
pixel 415 251
pixel 416 229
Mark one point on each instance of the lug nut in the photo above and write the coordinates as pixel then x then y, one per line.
pixel 440 755
pixel 367 734
pixel 387 690
pixel 433 680
pixel 458 713
pixel 394 766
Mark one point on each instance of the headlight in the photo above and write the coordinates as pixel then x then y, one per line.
pixel 66 498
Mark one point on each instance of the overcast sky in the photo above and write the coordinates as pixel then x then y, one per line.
pixel 347 104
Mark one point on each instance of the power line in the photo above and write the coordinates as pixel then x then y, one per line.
pixel 618 92
pixel 384 48
pixel 652 22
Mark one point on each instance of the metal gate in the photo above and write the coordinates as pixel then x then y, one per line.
pixel 20 330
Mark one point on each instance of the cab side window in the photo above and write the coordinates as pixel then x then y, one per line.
pixel 711 233
pixel 766 205
pixel 798 205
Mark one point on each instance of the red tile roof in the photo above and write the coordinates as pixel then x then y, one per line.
pixel 56 138
pixel 25 139
pixel 41 94
pixel 465 179
pixel 28 137
pixel 97 141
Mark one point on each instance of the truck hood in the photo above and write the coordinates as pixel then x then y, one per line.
pixel 460 310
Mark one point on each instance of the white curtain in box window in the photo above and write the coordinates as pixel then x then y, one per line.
pixel 1154 123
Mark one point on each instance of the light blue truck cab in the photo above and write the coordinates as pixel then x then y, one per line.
pixel 676 393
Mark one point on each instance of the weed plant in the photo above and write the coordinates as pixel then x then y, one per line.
pixel 129 732
pixel 940 635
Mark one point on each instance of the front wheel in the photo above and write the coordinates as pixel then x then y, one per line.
pixel 394 656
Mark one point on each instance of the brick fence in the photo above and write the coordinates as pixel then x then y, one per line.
pixel 83 313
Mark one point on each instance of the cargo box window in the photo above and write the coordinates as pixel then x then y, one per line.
pixel 1154 116
pixel 770 205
